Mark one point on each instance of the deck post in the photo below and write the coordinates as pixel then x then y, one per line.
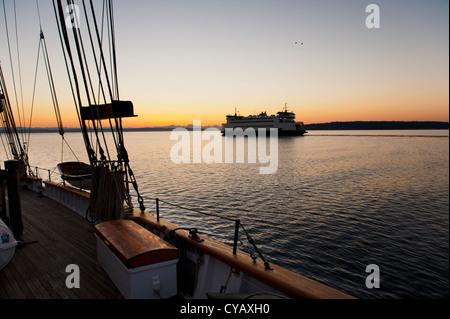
pixel 236 236
pixel 3 177
pixel 157 209
pixel 13 184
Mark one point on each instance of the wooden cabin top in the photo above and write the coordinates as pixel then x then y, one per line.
pixel 134 245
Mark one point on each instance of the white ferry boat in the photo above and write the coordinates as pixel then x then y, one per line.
pixel 284 121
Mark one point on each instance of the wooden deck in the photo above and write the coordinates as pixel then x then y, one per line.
pixel 55 237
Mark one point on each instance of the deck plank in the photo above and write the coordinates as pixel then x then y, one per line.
pixel 55 237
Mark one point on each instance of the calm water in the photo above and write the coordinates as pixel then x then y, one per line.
pixel 340 200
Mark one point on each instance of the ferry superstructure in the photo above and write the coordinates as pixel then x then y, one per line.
pixel 284 121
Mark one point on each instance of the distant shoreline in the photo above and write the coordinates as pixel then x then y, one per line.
pixel 335 126
pixel 379 125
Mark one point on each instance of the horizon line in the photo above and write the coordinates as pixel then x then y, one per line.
pixel 217 125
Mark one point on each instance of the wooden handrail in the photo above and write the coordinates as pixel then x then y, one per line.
pixel 286 281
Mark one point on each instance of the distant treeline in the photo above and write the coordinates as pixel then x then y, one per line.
pixel 379 125
pixel 357 125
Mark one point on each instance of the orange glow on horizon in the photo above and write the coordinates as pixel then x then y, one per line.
pixel 308 117
pixel 320 111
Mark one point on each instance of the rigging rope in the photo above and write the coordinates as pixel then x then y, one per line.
pixel 98 68
pixel 11 62
pixel 20 72
pixel 9 125
pixel 82 77
pixel 34 91
pixel 43 45
pixel 66 50
pixel 51 85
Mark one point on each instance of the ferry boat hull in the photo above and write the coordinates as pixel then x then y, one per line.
pixel 284 122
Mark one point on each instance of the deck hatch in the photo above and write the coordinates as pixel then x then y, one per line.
pixel 134 245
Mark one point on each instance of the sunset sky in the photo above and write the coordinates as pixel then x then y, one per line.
pixel 186 60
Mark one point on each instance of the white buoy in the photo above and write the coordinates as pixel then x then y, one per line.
pixel 7 245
